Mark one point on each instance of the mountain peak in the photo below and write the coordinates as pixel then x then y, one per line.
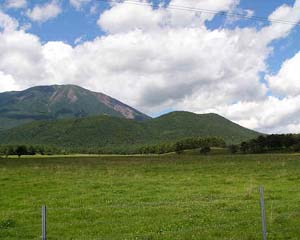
pixel 57 102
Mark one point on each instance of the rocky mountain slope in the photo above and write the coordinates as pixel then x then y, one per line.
pixel 58 102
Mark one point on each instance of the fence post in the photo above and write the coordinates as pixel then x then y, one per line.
pixel 263 213
pixel 44 226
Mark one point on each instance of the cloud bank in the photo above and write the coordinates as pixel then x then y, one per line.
pixel 162 58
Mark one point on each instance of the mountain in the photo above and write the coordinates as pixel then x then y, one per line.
pixel 104 131
pixel 58 102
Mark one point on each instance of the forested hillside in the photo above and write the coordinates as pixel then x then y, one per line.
pixel 103 131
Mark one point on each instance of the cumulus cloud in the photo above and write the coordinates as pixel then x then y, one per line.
pixel 22 61
pixel 277 30
pixel 7 82
pixel 42 13
pixel 160 58
pixel 270 115
pixel 15 3
pixel 124 18
pixel 127 16
pixel 7 24
pixel 287 80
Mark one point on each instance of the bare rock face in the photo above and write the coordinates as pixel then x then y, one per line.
pixel 58 102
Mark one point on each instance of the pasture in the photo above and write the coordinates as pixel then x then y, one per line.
pixel 150 197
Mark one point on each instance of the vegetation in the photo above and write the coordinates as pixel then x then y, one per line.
pixel 20 150
pixel 170 197
pixel 263 144
pixel 205 150
pixel 184 144
pixel 113 132
pixel 271 143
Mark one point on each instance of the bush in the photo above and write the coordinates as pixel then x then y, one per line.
pixel 21 150
pixel 179 147
pixel 205 150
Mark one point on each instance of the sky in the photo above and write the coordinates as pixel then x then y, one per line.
pixel 162 56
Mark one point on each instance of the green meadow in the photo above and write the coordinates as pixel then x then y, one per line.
pixel 150 197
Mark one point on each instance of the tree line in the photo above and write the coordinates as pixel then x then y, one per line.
pixel 203 144
pixel 269 144
pixel 20 150
pixel 262 144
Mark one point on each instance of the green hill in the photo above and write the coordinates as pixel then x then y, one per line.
pixel 104 131
pixel 59 102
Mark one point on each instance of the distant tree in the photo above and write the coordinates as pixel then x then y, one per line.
pixel 65 152
pixel 41 150
pixel 233 149
pixel 255 147
pixel 244 147
pixel 274 142
pixel 21 150
pixel 2 151
pixel 261 143
pixel 205 150
pixel 8 150
pixel 31 150
pixel 179 147
pixel 289 140
pixel 296 147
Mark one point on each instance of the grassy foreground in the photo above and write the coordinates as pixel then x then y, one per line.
pixel 167 197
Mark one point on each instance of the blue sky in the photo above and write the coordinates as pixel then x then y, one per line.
pixel 66 27
pixel 163 59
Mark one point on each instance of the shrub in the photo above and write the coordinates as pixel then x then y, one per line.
pixel 205 150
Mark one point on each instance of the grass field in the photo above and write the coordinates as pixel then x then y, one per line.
pixel 167 197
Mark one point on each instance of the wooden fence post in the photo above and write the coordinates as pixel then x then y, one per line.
pixel 263 213
pixel 44 226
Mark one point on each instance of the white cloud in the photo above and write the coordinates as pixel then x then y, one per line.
pixel 278 30
pixel 26 26
pixel 236 16
pixel 7 83
pixel 125 17
pixel 79 3
pixel 94 9
pixel 15 3
pixel 192 19
pixel 7 24
pixel 249 13
pixel 22 61
pixel 42 13
pixel 79 39
pixel 287 81
pixel 158 59
pixel 269 115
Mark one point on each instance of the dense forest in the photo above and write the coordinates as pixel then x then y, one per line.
pixel 106 131
pixel 269 144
